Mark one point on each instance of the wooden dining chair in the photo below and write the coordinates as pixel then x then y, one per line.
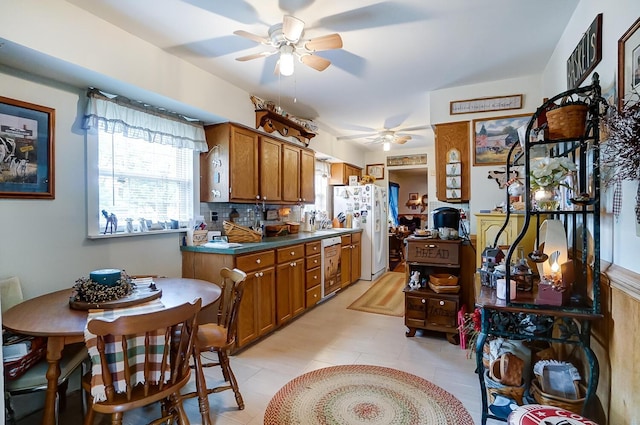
pixel 34 379
pixel 177 326
pixel 219 338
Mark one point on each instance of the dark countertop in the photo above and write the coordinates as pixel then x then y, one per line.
pixel 274 242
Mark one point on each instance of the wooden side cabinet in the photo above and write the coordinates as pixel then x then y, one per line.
pixel 424 309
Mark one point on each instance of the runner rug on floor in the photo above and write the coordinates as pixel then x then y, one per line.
pixel 359 394
pixel 384 297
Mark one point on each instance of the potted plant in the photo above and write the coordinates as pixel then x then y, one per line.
pixel 547 175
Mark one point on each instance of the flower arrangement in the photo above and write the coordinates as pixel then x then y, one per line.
pixel 92 292
pixel 470 326
pixel 549 173
pixel 621 141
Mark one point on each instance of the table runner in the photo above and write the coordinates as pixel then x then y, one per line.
pixel 114 353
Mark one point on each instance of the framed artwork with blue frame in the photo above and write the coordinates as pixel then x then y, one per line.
pixel 26 150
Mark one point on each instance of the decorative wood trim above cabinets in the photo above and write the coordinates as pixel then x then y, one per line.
pixel 271 121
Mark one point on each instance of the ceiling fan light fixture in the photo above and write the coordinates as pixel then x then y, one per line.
pixel 386 146
pixel 286 60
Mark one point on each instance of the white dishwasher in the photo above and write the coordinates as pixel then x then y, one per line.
pixel 330 258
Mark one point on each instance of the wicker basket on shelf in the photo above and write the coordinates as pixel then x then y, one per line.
pixel 567 121
pixel 494 388
pixel 573 405
pixel 237 233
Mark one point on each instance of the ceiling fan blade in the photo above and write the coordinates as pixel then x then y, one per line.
pixel 325 42
pixel 250 36
pixel 355 136
pixel 315 62
pixel 401 140
pixel 255 56
pixel 292 28
pixel 419 127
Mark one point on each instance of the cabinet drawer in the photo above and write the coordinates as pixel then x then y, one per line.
pixel 312 296
pixel 356 237
pixel 312 248
pixel 434 252
pixel 313 277
pixel 290 253
pixel 346 240
pixel 313 261
pixel 250 262
pixel 442 312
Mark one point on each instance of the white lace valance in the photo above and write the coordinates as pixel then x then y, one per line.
pixel 119 115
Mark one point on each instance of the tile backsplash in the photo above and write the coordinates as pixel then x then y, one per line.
pixel 248 215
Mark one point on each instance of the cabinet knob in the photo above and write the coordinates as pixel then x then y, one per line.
pixel 315 295
pixel 258 261
pixel 257 274
pixel 441 302
pixel 315 248
pixel 257 196
pixel 430 246
pixel 423 301
pixel 315 277
pixel 293 253
pixel 261 274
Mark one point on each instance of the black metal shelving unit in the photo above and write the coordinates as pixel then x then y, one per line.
pixel 525 317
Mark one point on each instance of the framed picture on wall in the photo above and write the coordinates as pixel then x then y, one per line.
pixel 375 170
pixel 26 150
pixel 493 137
pixel 629 63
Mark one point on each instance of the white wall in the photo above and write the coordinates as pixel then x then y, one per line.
pixel 619 242
pixel 485 193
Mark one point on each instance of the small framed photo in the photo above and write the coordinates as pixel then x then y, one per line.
pixel 453 193
pixel 353 180
pixel 375 170
pixel 454 182
pixel 413 196
pixel 454 169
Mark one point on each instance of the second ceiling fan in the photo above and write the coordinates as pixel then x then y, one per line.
pixel 286 40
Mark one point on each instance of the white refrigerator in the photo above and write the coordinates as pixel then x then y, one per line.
pixel 367 206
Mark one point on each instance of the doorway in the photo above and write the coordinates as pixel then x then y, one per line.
pixel 408 208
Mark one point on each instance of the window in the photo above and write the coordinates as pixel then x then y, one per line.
pixel 140 166
pixel 142 180
pixel 322 202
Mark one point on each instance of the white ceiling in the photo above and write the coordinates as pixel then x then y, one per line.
pixel 394 52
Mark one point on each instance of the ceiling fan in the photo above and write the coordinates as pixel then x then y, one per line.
pixel 286 40
pixel 386 136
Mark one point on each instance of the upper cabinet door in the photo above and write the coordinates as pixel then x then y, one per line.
pixel 270 169
pixel 307 176
pixel 290 173
pixel 244 165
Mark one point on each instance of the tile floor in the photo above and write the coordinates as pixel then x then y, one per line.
pixel 330 334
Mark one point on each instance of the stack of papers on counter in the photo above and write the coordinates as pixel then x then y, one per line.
pixel 221 245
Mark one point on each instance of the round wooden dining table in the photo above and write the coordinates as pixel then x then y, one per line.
pixel 51 316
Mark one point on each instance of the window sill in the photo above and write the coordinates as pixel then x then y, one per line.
pixel 126 235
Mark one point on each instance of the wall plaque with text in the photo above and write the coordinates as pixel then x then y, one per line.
pixel 586 55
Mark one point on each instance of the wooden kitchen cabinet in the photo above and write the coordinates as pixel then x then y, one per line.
pixel 424 308
pixel 257 314
pixel 351 259
pixel 313 273
pixel 345 261
pixel 270 166
pixel 356 257
pixel 307 176
pixel 488 225
pixel 244 165
pixel 341 171
pixel 290 283
pixel 290 173
pixel 229 170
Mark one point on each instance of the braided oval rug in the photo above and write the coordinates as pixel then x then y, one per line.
pixel 360 394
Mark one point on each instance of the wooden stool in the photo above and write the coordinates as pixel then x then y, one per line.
pixel 537 414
